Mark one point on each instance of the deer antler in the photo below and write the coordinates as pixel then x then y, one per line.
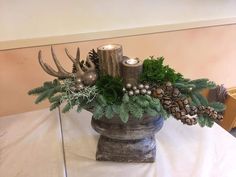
pixel 61 73
pixel 76 61
pixel 91 66
pixel 84 70
pixel 88 65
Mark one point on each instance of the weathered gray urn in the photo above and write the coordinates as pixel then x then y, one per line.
pixel 130 142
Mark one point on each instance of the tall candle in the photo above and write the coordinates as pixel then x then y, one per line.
pixel 131 70
pixel 110 57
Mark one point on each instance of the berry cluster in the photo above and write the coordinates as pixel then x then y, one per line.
pixel 137 90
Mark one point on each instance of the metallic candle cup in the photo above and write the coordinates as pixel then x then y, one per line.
pixel 131 70
pixel 110 58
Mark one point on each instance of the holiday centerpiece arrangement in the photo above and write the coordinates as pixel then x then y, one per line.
pixel 129 99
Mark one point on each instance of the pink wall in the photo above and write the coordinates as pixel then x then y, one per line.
pixel 205 52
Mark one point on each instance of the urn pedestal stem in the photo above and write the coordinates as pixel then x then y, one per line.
pixel 130 142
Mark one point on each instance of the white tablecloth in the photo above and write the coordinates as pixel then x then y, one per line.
pixel 182 151
pixel 31 146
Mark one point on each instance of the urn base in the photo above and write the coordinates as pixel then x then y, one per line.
pixel 137 151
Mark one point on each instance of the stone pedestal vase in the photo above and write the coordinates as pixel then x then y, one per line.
pixel 130 142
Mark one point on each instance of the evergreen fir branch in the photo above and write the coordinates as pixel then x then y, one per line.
pixel 184 87
pixel 79 108
pixel 37 90
pixel 42 97
pixel 151 112
pixel 56 98
pixel 204 82
pixel 48 84
pixel 195 100
pixel 98 112
pixel 48 89
pixel 123 114
pixel 201 121
pixel 101 100
pixel 217 106
pixel 116 108
pixel 155 104
pixel 209 122
pixel 142 101
pixel 67 107
pixel 109 112
pixel 135 110
pixel 202 100
pixel 125 98
pixel 53 91
pixel 54 105
pixel 163 113
pixel 188 87
pixel 51 84
pixel 201 84
pixel 205 121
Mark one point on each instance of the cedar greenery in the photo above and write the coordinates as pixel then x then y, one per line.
pixel 110 88
pixel 154 71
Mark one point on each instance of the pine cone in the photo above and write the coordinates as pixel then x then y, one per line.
pixel 94 58
pixel 178 105
pixel 176 92
pixel 158 93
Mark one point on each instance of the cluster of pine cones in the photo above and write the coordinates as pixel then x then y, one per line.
pixel 178 105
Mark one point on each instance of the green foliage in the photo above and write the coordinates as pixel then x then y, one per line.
pixel 134 106
pixel 124 114
pixel 219 107
pixel 81 98
pixel 55 101
pixel 109 112
pixel 98 112
pixel 202 84
pixel 187 86
pixel 192 89
pixel 154 71
pixel 135 109
pixel 125 98
pixel 110 88
pixel 106 98
pixel 199 99
pixel 62 91
pixel 151 112
pixel 205 121
pixel 46 91
pixel 54 105
pixel 67 107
